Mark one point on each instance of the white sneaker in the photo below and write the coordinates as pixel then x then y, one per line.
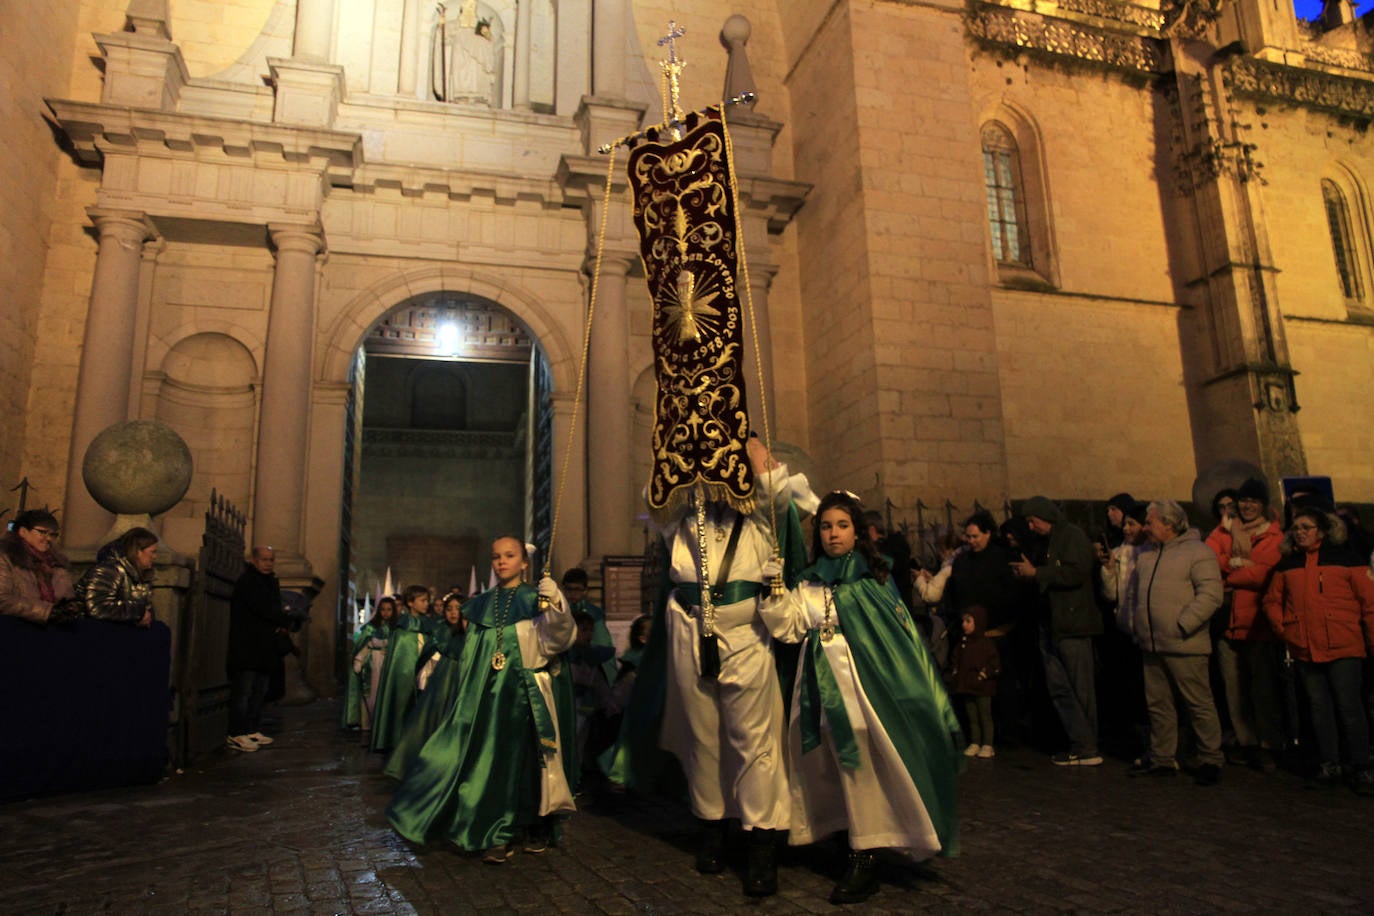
pixel 987 752
pixel 241 743
pixel 259 739
pixel 971 751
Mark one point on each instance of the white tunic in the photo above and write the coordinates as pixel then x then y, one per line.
pixel 542 639
pixel 878 803
pixel 727 731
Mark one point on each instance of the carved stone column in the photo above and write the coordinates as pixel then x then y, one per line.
pixel 1240 377
pixel 609 489
pixel 284 417
pixel 410 49
pixel 608 48
pixel 102 389
pixel 520 97
pixel 308 87
pixel 314 30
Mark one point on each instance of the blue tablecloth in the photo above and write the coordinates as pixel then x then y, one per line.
pixel 83 706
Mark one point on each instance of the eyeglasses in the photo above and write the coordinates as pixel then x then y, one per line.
pixel 1303 528
pixel 48 533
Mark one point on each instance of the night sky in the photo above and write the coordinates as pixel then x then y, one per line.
pixel 1311 9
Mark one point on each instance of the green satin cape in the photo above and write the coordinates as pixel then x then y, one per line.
pixel 434 703
pixel 396 686
pixel 352 716
pixel 902 683
pixel 477 779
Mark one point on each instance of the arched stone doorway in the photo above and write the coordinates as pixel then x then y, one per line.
pixel 447 443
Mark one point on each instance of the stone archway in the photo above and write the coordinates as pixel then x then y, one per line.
pixel 550 316
pixel 448 448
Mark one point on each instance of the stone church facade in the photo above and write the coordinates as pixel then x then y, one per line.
pixel 995 248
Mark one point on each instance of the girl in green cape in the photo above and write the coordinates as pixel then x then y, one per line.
pixel 369 654
pixel 439 679
pixel 395 693
pixel 873 743
pixel 502 765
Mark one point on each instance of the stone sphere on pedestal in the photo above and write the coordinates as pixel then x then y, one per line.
pixel 736 29
pixel 137 469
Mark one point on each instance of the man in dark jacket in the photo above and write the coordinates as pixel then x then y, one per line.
pixel 255 617
pixel 1069 621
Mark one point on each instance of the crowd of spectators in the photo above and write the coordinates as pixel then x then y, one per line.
pixel 1245 641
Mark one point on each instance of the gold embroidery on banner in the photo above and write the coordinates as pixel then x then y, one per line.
pixel 683 209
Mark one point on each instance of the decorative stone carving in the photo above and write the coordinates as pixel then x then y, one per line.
pixel 1118 12
pixel 1337 57
pixel 1259 79
pixel 1008 30
pixel 1191 18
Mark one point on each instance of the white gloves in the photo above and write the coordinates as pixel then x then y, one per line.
pixel 772 568
pixel 548 590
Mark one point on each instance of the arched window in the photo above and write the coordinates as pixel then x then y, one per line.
pixel 1006 197
pixel 1342 240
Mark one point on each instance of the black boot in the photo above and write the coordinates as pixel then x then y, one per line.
pixel 860 879
pixel 711 847
pixel 761 875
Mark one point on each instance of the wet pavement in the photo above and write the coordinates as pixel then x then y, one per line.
pixel 299 828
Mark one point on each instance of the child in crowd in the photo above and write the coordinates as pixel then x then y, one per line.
pixel 501 767
pixel 871 744
pixel 369 655
pixel 591 688
pixel 396 687
pixel 974 667
pixel 576 585
pixel 438 681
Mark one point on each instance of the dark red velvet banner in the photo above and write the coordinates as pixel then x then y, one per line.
pixel 684 209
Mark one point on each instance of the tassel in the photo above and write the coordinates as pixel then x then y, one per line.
pixel 710 656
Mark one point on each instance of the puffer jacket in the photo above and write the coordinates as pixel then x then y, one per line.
pixel 1248 583
pixel 1177 590
pixel 20 595
pixel 114 590
pixel 974 664
pixel 1322 601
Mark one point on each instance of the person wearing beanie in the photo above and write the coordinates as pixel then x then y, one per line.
pixel 1117 507
pixel 1069 621
pixel 1250 652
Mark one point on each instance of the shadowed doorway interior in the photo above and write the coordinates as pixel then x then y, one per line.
pixel 448 445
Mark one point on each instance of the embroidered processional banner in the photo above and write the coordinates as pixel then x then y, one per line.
pixel 684 209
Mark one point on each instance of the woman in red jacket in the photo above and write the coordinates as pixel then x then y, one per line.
pixel 1322 600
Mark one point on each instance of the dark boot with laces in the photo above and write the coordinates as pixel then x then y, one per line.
pixel 761 873
pixel 711 847
pixel 860 879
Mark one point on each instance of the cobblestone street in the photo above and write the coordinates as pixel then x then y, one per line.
pixel 299 827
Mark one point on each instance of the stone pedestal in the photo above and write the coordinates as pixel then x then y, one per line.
pixel 308 94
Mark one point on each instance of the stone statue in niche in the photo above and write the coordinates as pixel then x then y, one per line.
pixel 467 56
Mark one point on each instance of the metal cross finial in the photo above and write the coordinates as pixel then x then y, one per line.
pixel 672 74
pixel 675 32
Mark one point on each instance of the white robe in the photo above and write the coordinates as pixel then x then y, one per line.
pixel 542 639
pixel 878 803
pixel 727 731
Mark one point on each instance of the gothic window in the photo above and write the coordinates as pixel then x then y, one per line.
pixel 1006 197
pixel 1342 240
